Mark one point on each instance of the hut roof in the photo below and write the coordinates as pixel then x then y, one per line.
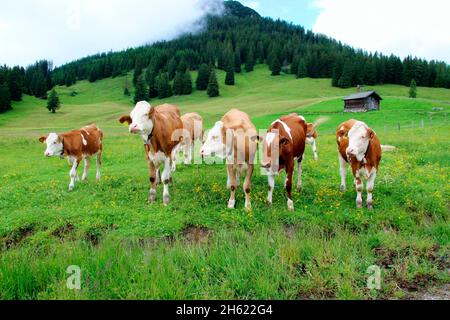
pixel 363 95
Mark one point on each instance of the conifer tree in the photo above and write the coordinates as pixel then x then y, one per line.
pixel 213 85
pixel 164 88
pixel 345 81
pixel 141 93
pixel 229 78
pixel 237 61
pixel 413 89
pixel 203 77
pixel 250 62
pixel 302 72
pixel 53 102
pixel 178 84
pixel 150 78
pixel 187 83
pixel 5 98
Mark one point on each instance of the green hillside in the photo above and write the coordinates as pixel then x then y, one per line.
pixel 196 248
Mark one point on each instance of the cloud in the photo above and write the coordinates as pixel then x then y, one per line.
pixel 65 30
pixel 403 27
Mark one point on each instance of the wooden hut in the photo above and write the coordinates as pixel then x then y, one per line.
pixel 362 102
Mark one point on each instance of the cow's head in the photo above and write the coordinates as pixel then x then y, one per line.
pixel 215 142
pixel 276 145
pixel 54 143
pixel 139 120
pixel 359 138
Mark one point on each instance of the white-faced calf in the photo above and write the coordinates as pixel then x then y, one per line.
pixel 359 147
pixel 76 145
pixel 158 128
pixel 234 138
pixel 284 143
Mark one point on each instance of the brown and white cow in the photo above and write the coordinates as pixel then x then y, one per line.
pixel 157 126
pixel 76 145
pixel 234 138
pixel 358 146
pixel 192 132
pixel 284 143
pixel 311 138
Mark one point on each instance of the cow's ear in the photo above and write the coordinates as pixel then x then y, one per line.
pixel 371 134
pixel 126 119
pixel 151 113
pixel 42 139
pixel 284 141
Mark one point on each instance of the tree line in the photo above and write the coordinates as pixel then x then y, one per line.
pixel 234 43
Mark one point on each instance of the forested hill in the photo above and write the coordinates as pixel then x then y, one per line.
pixel 235 42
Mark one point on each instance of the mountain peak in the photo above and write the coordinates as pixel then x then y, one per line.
pixel 235 8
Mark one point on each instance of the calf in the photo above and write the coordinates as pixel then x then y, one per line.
pixel 358 146
pixel 157 127
pixel 284 143
pixel 234 138
pixel 311 139
pixel 76 145
pixel 192 132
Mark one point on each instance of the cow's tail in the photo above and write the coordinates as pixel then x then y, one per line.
pixel 388 148
pixel 319 121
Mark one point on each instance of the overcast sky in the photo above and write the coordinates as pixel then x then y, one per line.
pixel 64 30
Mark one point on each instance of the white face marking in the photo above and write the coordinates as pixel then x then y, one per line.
pixel 270 137
pixel 285 126
pixel 358 140
pixel 214 142
pixel 141 122
pixel 54 145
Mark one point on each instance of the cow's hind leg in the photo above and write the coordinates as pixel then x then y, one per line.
pixel 290 173
pixel 314 149
pixel 300 172
pixel 359 190
pixel 166 178
pixel 232 185
pixel 370 186
pixel 99 165
pixel 87 164
pixel 247 187
pixel 271 181
pixel 343 172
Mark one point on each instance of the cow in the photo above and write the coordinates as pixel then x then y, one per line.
pixel 359 147
pixel 76 145
pixel 157 127
pixel 193 131
pixel 311 138
pixel 284 144
pixel 235 139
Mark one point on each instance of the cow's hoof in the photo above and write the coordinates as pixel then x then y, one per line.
pixel 71 188
pixel 269 201
pixel 248 207
pixel 290 205
pixel 97 178
pixel 152 196
pixel 299 189
pixel 316 159
pixel 166 200
pixel 358 205
pixel 231 204
pixel 343 188
pixel 370 206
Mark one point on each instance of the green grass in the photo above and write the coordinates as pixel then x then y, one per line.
pixel 198 249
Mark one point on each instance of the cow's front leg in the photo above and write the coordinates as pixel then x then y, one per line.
pixel 300 172
pixel 289 176
pixel 314 149
pixel 370 187
pixel 187 153
pixel 166 178
pixel 73 172
pixel 359 189
pixel 232 185
pixel 343 172
pixel 271 181
pixel 247 187
pixel 87 164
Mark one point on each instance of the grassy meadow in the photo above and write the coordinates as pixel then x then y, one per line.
pixel 196 248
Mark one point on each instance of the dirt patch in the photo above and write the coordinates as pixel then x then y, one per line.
pixel 196 234
pixel 418 282
pixel 95 234
pixel 440 293
pixel 16 237
pixel 64 232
